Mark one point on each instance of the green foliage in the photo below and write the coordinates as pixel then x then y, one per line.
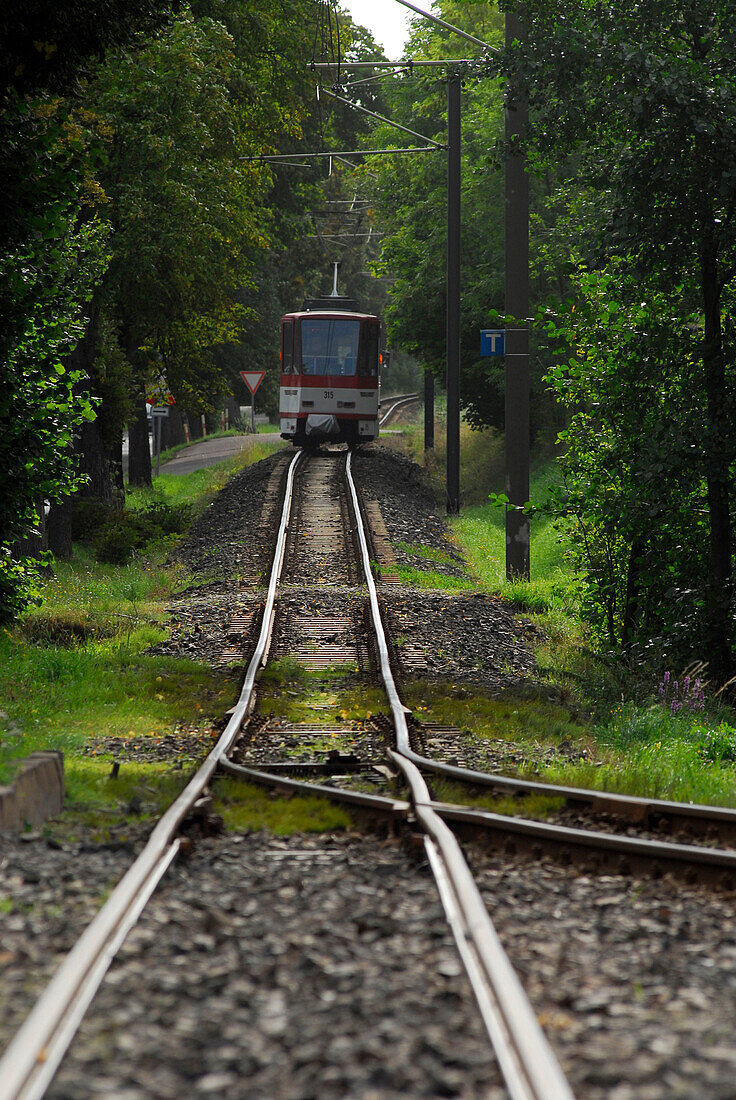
pixel 634 468
pixel 410 193
pixel 46 46
pixel 115 533
pixel 52 251
pixel 637 105
pixel 50 259
pixel 183 204
pixel 644 750
pixel 77 667
pixel 129 531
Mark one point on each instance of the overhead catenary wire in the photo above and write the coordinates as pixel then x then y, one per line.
pixel 275 157
pixel 371 79
pixel 409 63
pixel 382 118
pixel 446 26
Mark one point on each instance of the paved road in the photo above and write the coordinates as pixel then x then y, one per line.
pixel 208 452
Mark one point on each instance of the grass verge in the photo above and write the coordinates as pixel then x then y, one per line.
pixel 76 674
pixel 616 733
pixel 247 808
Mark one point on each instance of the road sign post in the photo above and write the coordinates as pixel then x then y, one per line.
pixel 253 379
pixel 158 412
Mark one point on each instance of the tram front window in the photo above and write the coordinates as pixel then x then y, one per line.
pixel 330 346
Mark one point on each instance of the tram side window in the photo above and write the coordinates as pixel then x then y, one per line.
pixel 368 362
pixel 329 346
pixel 287 340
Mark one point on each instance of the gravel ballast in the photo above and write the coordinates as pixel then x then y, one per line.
pixel 267 968
pixel 229 986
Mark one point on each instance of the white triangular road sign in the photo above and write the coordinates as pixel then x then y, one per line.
pixel 252 378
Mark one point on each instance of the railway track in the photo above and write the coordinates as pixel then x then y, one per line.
pixel 392 406
pixel 528 1065
pixel 321 627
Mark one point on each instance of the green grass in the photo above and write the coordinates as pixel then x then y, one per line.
pixel 531 717
pixel 60 697
pixel 481 532
pixel 246 807
pixel 200 487
pixel 86 587
pixel 287 690
pixel 644 750
pixel 76 671
pixel 430 553
pixel 536 806
pixel 636 747
pixel 428 578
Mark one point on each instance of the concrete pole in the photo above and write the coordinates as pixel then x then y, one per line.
pixel 428 411
pixel 453 294
pixel 517 331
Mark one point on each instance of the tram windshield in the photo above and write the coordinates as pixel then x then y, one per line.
pixel 329 345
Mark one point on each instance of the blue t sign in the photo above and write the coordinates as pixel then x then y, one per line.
pixel 492 341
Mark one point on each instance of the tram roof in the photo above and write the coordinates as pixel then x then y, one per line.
pixel 320 313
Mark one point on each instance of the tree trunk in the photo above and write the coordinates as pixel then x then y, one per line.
pixel 89 443
pixel 35 541
pixel 233 410
pixel 93 461
pixel 195 424
pixel 212 420
pixel 172 429
pixel 719 583
pixel 59 529
pixel 139 453
pixel 631 597
pixel 115 462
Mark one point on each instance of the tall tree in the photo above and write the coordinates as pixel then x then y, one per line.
pixel 645 96
pixel 52 251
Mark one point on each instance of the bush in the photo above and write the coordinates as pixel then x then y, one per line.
pixel 169 519
pixel 89 516
pixel 117 540
pixel 120 534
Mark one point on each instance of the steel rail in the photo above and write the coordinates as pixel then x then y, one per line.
pixel 394 807
pixel 631 807
pixel 529 1066
pixel 396 397
pixel 699 855
pixel 36 1050
pixel 397 404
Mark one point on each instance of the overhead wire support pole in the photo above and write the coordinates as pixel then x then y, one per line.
pixel 517 309
pixel 453 292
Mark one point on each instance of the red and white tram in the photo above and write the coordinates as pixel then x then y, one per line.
pixel 330 355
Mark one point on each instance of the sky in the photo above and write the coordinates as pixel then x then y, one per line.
pixel 386 19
